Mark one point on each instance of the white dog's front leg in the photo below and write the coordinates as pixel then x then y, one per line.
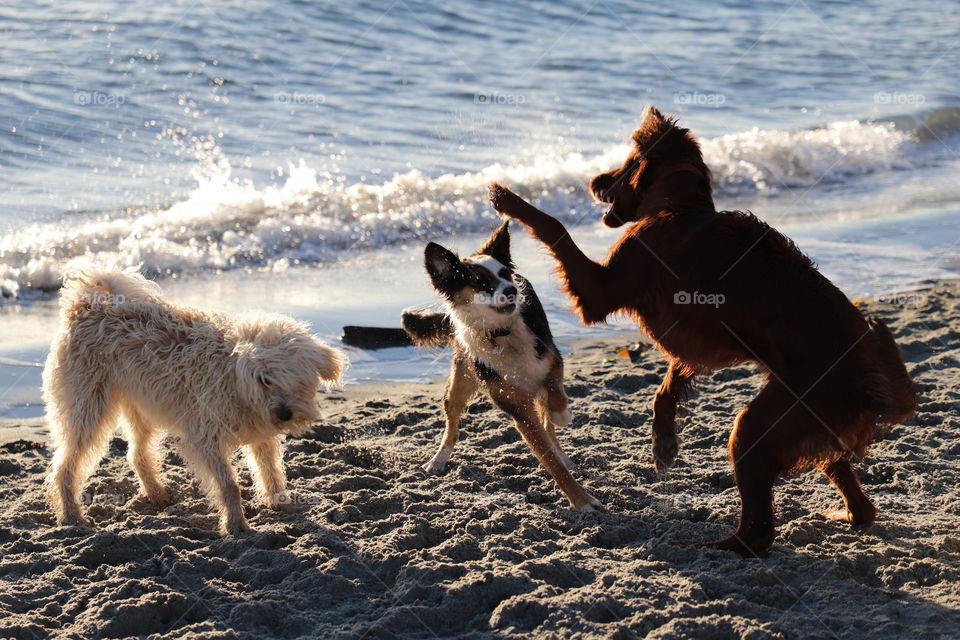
pixel 265 460
pixel 220 482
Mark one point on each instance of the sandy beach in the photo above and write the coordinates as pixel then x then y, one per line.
pixel 489 550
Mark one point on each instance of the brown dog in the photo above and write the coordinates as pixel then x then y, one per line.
pixel 716 288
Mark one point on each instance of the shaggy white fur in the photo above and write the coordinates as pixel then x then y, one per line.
pixel 215 381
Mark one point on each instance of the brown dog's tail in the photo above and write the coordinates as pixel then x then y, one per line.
pixel 427 329
pixel 899 401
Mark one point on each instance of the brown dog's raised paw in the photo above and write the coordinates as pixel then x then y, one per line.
pixel 501 197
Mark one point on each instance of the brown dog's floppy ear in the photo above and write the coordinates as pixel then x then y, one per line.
pixel 497 245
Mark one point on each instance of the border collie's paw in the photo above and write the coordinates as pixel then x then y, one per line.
pixel 436 466
pixel 665 449
pixel 591 505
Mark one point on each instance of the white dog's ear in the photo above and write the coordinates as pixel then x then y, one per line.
pixel 330 364
pixel 252 379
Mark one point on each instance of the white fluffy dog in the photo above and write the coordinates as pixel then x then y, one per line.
pixel 215 381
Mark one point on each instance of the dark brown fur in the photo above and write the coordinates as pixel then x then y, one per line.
pixel 832 375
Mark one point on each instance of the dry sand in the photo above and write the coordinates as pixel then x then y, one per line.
pixel 490 549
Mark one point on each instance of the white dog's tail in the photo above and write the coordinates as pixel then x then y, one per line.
pixel 97 286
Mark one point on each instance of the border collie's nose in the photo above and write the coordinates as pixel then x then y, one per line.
pixel 510 292
pixel 284 413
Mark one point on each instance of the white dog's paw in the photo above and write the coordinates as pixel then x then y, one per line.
pixel 233 526
pixel 161 498
pixel 74 520
pixel 438 463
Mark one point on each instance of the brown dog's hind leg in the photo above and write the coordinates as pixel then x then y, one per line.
pixel 674 388
pixel 762 447
pixel 859 510
pixel 461 387
pixel 520 405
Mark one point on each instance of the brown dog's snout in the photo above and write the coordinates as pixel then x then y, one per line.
pixel 600 187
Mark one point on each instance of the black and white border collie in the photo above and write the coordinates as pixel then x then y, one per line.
pixel 501 344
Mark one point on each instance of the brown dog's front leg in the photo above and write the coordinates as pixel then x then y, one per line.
pixel 674 388
pixel 585 280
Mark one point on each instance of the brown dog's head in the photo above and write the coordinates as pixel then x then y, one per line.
pixel 660 149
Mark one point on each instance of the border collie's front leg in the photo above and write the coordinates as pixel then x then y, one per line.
pixel 585 280
pixel 461 387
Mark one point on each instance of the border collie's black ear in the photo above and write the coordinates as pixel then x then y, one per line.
pixel 498 245
pixel 442 264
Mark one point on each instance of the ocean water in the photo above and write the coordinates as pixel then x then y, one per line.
pixel 297 156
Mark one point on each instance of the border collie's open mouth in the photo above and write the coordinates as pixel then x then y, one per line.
pixel 507 308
